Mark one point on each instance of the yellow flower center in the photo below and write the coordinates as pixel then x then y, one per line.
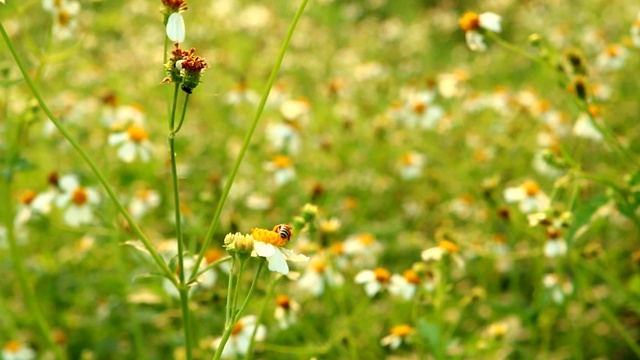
pixel 143 194
pixel 318 266
pixel 531 188
pixel 137 133
pixel 367 239
pixel 269 237
pixel 612 50
pixel 469 21
pixel 407 159
pixel 64 18
pixel 467 198
pixel 419 108
pixel 12 346
pixel 338 248
pixel 212 255
pixel 350 203
pixel 79 196
pixel 448 246
pixel 403 330
pixel 283 301
pixel 594 110
pixel 27 197
pixel 237 328
pixel 282 162
pixel 382 275
pixel 411 276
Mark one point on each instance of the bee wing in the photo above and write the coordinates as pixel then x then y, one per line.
pixel 175 28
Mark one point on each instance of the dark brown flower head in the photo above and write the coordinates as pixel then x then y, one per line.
pixel 171 6
pixel 185 68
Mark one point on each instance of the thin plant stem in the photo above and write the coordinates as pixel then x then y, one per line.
pixel 236 290
pixel 183 289
pixel 245 145
pixel 18 265
pixel 228 314
pixel 101 178
pixel 265 303
pixel 229 328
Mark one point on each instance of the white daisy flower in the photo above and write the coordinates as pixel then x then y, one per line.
pixel 473 24
pixel 398 335
pixel 528 195
pixel 77 200
pixel 133 143
pixel 14 350
pixel 374 281
pixel 240 339
pixel 270 245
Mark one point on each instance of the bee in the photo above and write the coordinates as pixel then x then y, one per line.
pixel 285 231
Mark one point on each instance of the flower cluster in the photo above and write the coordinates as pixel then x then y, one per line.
pixel 185 68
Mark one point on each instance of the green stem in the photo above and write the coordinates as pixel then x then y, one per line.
pixel 493 36
pixel 184 302
pixel 182 288
pixel 18 264
pixel 236 291
pixel 245 145
pixel 134 227
pixel 229 328
pixel 265 303
pixel 227 319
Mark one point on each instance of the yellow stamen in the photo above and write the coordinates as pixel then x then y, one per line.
pixel 237 328
pixel 268 236
pixel 448 246
pixel 318 266
pixel 531 188
pixel 212 255
pixel 594 110
pixel 282 162
pixel 469 21
pixel 27 197
pixel 137 133
pixel 283 301
pixel 64 18
pixel 403 330
pixel 337 248
pixel 411 276
pixel 382 275
pixel 613 50
pixel 12 346
pixel 419 108
pixel 366 239
pixel 79 196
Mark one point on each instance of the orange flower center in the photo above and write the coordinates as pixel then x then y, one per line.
pixel 283 301
pixel 211 255
pixel 403 330
pixel 268 236
pixel 143 194
pixel 338 248
pixel 137 133
pixel 419 107
pixel 594 110
pixel 382 275
pixel 448 246
pixel 612 50
pixel 407 159
pixel 237 328
pixel 282 162
pixel 469 21
pixel 12 346
pixel 318 266
pixel 79 196
pixel 27 197
pixel 411 276
pixel 552 233
pixel 64 18
pixel 367 239
pixel 531 188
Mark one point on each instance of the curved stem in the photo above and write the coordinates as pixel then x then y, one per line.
pixel 228 314
pixel 245 145
pixel 229 328
pixel 101 178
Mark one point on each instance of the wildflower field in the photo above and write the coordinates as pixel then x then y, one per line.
pixel 328 179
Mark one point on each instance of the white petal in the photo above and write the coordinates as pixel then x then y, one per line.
pixel 490 21
pixel 175 27
pixel 514 194
pixel 278 263
pixel 291 256
pixel 365 276
pixel 127 152
pixel 69 183
pixel 475 41
pixel 372 288
pixel 264 249
pixel 117 138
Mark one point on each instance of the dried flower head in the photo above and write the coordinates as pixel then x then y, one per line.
pixel 185 68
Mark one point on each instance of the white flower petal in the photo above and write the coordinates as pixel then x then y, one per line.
pixel 127 152
pixel 291 256
pixel 264 249
pixel 490 21
pixel 175 28
pixel 475 41
pixel 278 263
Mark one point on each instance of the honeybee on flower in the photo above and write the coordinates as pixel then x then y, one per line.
pixel 270 244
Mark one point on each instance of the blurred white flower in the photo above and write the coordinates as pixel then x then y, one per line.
pixel 240 339
pixel 77 200
pixel 318 275
pixel 286 312
pixel 14 350
pixel 472 24
pixel 612 57
pixel 282 168
pixel 584 128
pixel 133 143
pixel 560 287
pixel 143 201
pixel 64 14
pixel 398 335
pixel 374 280
pixel 528 196
pixel 411 164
